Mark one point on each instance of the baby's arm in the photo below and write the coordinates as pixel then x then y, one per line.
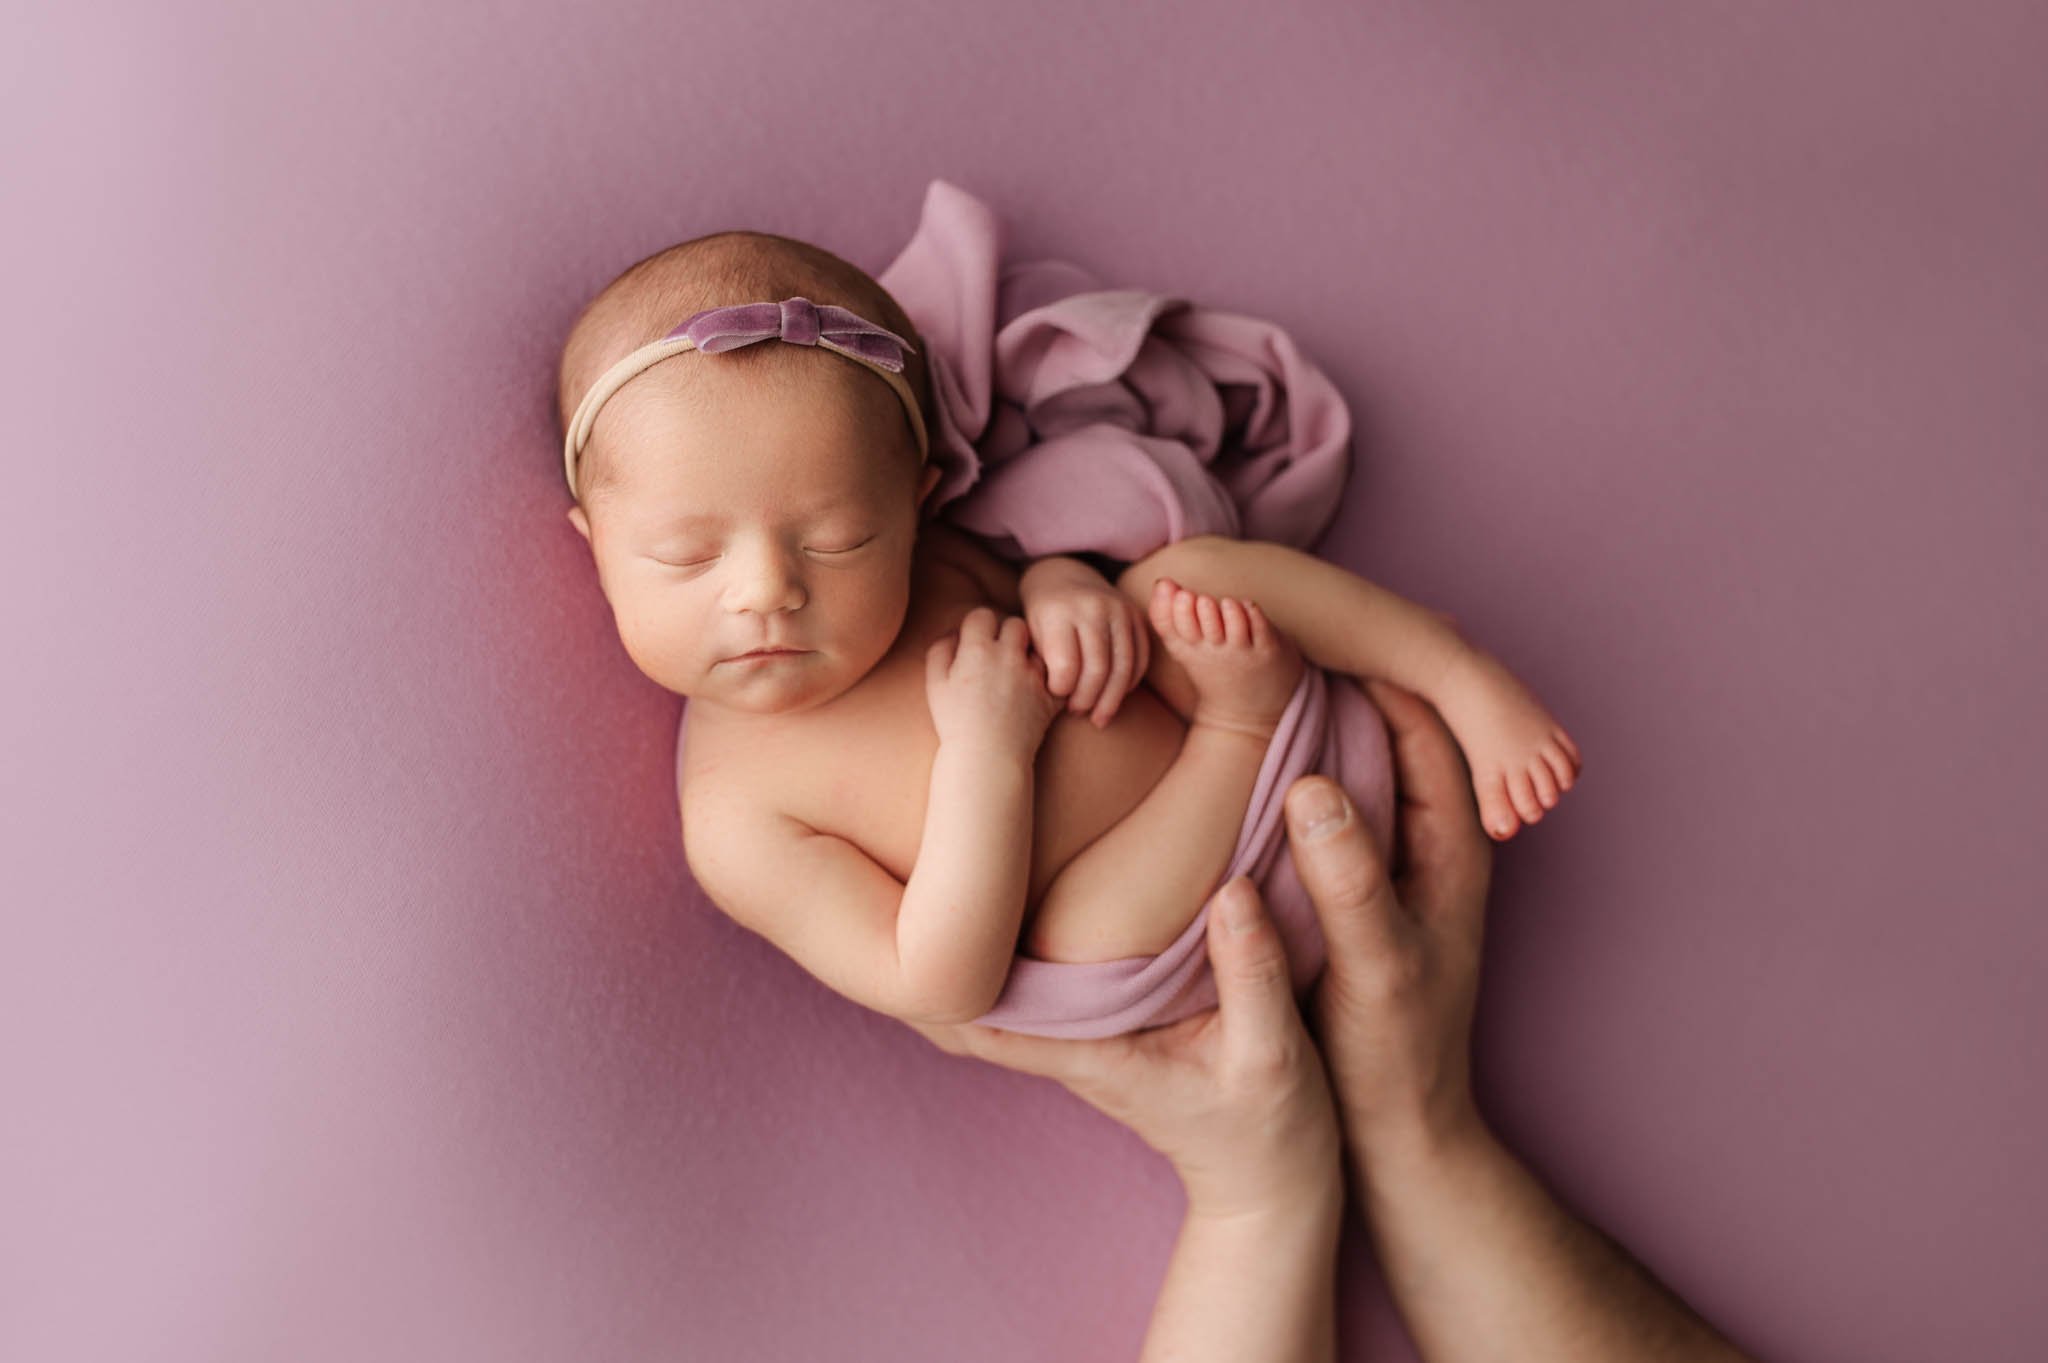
pixel 935 950
pixel 1521 758
pixel 957 929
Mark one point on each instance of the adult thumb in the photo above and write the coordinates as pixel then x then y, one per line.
pixel 1339 864
pixel 1254 989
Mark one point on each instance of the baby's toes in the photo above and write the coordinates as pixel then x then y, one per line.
pixel 1211 616
pixel 1560 766
pixel 1564 741
pixel 1159 610
pixel 1544 782
pixel 1185 625
pixel 1261 631
pixel 1494 810
pixel 1237 630
pixel 1524 794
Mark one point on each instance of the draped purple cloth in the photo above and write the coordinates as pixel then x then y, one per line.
pixel 1072 417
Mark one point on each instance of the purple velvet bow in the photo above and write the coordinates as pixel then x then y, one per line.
pixel 800 322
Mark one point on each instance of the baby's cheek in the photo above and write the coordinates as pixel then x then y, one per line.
pixel 661 647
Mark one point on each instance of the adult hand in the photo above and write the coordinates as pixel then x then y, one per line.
pixel 1482 1261
pixel 1393 1009
pixel 1234 1097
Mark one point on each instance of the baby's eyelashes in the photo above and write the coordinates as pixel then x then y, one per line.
pixel 713 558
pixel 848 549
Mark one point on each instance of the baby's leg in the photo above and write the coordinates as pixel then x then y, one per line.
pixel 1135 888
pixel 1520 757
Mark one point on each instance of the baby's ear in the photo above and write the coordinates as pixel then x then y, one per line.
pixel 580 521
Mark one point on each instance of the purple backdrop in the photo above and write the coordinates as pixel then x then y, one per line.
pixel 356 1002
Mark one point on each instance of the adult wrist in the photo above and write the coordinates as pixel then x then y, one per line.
pixel 1414 1152
pixel 1307 1197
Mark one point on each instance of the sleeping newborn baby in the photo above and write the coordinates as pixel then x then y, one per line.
pixel 904 761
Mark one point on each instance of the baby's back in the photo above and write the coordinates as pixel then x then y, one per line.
pixel 859 766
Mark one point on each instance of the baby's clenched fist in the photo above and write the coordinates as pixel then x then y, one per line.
pixel 987 687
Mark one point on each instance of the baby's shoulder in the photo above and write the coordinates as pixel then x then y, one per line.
pixel 957 555
pixel 719 804
pixel 726 773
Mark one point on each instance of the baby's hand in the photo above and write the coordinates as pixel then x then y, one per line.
pixel 985 687
pixel 1094 639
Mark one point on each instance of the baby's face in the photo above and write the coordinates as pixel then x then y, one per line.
pixel 757 510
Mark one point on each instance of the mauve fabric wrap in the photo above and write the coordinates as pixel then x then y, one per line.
pixel 1075 419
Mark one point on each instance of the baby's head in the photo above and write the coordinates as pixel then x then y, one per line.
pixel 762 496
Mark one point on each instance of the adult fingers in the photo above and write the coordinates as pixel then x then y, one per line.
pixel 1254 996
pixel 1254 992
pixel 1046 1056
pixel 1445 860
pixel 1340 866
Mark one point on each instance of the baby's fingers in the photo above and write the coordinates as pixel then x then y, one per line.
pixel 1123 655
pixel 1014 634
pixel 1094 669
pixel 1062 654
pixel 938 659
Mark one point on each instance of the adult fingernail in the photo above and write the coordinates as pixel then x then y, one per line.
pixel 1318 811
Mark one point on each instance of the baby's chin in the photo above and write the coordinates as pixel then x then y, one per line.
pixel 766 699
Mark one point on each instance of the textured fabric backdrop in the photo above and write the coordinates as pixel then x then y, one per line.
pixel 354 999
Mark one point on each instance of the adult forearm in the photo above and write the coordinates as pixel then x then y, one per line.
pixel 1484 1264
pixel 1252 1286
pixel 956 929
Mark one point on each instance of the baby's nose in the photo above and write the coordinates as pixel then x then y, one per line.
pixel 766 586
pixel 769 599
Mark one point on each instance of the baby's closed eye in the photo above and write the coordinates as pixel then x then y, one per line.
pixel 712 558
pixel 849 548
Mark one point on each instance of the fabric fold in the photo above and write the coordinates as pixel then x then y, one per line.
pixel 1074 418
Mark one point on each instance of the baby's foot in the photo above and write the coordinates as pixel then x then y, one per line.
pixel 1521 758
pixel 1243 669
